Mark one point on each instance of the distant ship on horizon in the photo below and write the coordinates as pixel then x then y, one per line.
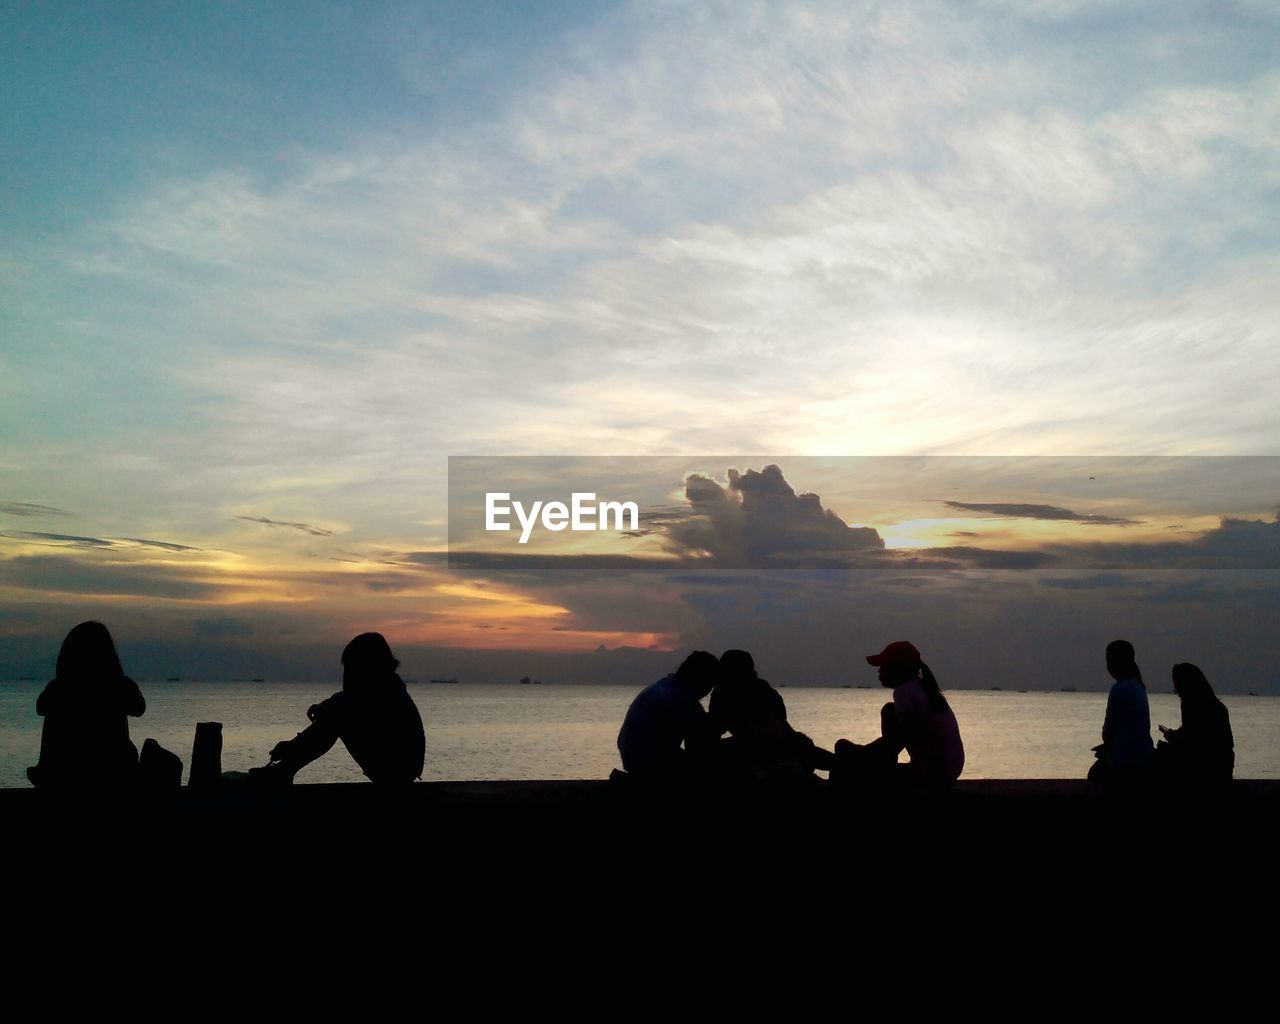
pixel 451 679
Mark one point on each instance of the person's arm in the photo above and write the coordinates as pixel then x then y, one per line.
pixel 900 723
pixel 702 732
pixel 48 697
pixel 823 759
pixel 892 739
pixel 135 705
pixel 809 754
pixel 1109 719
pixel 291 756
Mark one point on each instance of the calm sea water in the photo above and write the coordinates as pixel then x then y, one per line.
pixel 569 732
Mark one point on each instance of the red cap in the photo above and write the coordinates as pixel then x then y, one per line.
pixel 900 652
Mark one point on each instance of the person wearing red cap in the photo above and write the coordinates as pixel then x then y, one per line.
pixel 919 720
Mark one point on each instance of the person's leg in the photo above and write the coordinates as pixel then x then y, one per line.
pixel 869 762
pixel 863 763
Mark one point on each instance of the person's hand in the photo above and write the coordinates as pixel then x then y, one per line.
pixel 1164 729
pixel 281 750
pixel 270 775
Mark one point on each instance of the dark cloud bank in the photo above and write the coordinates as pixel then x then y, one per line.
pixel 808 620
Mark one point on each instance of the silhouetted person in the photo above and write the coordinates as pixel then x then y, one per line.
pixel 740 693
pixel 762 746
pixel 86 708
pixel 1203 749
pixel 1124 755
pixel 374 716
pixel 667 734
pixel 919 720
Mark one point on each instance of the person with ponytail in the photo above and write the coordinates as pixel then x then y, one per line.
pixel 919 720
pixel 1124 755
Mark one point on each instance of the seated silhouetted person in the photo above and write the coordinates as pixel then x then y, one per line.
pixel 1203 749
pixel 667 734
pixel 374 716
pixel 86 709
pixel 761 747
pixel 1124 755
pixel 919 720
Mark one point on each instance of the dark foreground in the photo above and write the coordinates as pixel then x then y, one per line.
pixel 510 825
pixel 502 862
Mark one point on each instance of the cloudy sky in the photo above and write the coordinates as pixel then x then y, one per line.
pixel 264 269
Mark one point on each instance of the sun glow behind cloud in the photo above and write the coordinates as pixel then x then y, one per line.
pixel 1011 534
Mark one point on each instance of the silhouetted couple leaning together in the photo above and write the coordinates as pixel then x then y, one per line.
pixel 668 736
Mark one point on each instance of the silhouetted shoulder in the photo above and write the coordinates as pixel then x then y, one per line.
pixel 131 699
pixel 119 695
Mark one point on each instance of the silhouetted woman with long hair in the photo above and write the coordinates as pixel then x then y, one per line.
pixel 1125 753
pixel 1203 749
pixel 373 715
pixel 86 708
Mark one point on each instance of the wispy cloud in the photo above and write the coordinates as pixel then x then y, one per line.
pixel 67 575
pixel 164 545
pixel 314 531
pixel 95 542
pixel 1031 511
pixel 59 538
pixel 23 508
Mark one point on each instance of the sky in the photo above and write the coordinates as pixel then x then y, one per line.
pixel 266 269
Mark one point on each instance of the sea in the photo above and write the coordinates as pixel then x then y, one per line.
pixel 569 732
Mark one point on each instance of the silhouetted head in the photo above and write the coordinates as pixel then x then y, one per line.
pixel 898 662
pixel 699 672
pixel 1190 684
pixel 743 702
pixel 1121 661
pixel 368 656
pixel 88 651
pixel 737 665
